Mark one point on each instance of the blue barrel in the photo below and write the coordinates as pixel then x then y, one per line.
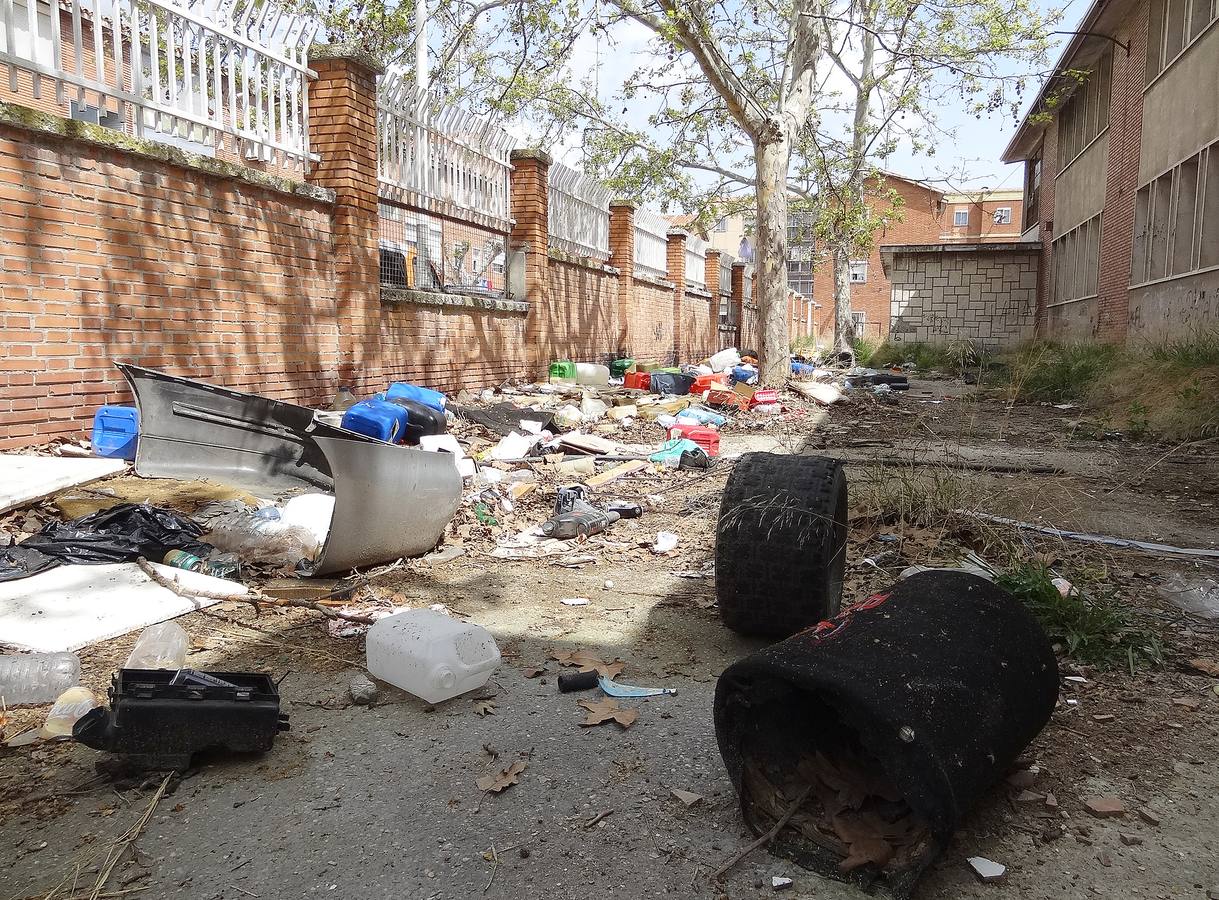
pixel 115 432
pixel 378 419
pixel 403 390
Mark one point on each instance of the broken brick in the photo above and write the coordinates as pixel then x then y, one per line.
pixel 1105 807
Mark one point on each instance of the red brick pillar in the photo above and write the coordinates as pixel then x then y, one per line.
pixel 675 264
pixel 713 287
pixel 530 209
pixel 343 133
pixel 738 302
pixel 622 257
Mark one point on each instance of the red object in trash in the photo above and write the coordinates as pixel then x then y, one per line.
pixel 707 438
pixel 723 397
pixel 764 395
pixel 640 381
pixel 704 383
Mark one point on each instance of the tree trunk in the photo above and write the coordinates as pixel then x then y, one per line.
pixel 844 328
pixel 774 361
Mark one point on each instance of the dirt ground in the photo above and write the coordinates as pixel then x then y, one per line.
pixel 359 801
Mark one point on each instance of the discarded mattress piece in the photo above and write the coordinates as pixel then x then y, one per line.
pixel 70 607
pixel 24 479
pixel 390 501
pixel 889 720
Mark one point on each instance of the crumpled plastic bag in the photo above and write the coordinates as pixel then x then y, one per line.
pixel 122 533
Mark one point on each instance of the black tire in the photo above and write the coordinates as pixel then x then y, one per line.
pixel 780 547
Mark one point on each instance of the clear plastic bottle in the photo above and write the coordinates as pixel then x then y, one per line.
pixel 37 677
pixel 343 400
pixel 160 646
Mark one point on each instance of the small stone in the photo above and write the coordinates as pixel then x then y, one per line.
pixel 1187 702
pixel 987 870
pixel 779 883
pixel 1130 840
pixel 1105 807
pixel 1104 717
pixel 1023 778
pixel 1105 858
pixel 363 690
pixel 1051 832
pixel 1030 797
pixel 1150 816
pixel 523 853
pixel 609 585
pixel 1051 802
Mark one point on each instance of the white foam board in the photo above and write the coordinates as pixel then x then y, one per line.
pixel 70 607
pixel 24 479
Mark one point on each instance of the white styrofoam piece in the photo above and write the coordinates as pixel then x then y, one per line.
pixel 24 479
pixel 70 607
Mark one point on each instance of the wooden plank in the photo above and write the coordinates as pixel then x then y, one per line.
pixel 611 475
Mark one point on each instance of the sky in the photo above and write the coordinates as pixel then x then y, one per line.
pixel 969 161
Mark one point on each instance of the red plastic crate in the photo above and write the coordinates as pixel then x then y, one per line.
pixel 706 382
pixel 764 395
pixel 705 437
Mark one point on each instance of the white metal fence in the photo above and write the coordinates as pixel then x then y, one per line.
pixel 578 209
pixel 207 75
pixel 651 243
pixel 451 162
pixel 696 261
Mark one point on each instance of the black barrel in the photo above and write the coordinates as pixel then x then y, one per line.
pixel 892 719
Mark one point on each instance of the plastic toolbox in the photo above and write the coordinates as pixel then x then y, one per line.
pixel 160 718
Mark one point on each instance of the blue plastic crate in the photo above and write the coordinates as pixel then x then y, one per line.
pixel 116 430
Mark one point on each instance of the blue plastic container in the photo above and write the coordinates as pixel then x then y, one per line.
pixel 402 390
pixel 116 430
pixel 747 374
pixel 378 419
pixel 799 368
pixel 701 417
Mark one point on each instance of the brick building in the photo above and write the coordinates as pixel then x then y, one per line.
pixel 1122 174
pixel 982 217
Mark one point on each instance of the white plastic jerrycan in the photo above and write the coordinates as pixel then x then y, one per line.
pixel 430 655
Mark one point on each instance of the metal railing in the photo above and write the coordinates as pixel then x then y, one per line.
pixel 696 261
pixel 579 213
pixel 651 243
pixel 726 263
pixel 207 75
pixel 449 162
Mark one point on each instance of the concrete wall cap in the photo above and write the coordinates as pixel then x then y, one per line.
pixel 349 52
pixel 532 153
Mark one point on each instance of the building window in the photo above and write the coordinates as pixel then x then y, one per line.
pixel 1003 215
pixel 722 225
pixel 960 218
pixel 801 286
pixel 1032 190
pixel 859 271
pixel 858 319
pixel 1075 258
pixel 1172 26
pixel 1086 112
pixel 800 228
pixel 1176 220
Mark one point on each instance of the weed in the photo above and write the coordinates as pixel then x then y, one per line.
pixel 926 495
pixel 1199 350
pixel 864 347
pixel 924 356
pixel 1136 423
pixel 1092 628
pixel 1060 372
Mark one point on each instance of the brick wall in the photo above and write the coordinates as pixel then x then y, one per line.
pixel 919 224
pixel 109 255
pixel 942 294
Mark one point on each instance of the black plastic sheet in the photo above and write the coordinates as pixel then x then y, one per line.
pixel 120 534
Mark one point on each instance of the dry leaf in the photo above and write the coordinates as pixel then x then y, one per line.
pixel 686 797
pixel 178 808
pixel 1205 666
pixel 600 711
pixel 586 662
pixel 484 707
pixel 535 671
pixel 497 781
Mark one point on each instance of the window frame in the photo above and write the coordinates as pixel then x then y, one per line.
pixel 853 265
pixel 1075 263
pixel 956 218
pixel 1000 212
pixel 1189 188
pixel 1164 18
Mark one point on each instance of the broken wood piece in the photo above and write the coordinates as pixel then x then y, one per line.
pixel 620 471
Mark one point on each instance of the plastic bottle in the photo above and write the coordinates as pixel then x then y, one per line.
pixel 701 417
pixel 37 677
pixel 343 400
pixel 592 375
pixel 430 655
pixel 160 646
pixel 218 565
